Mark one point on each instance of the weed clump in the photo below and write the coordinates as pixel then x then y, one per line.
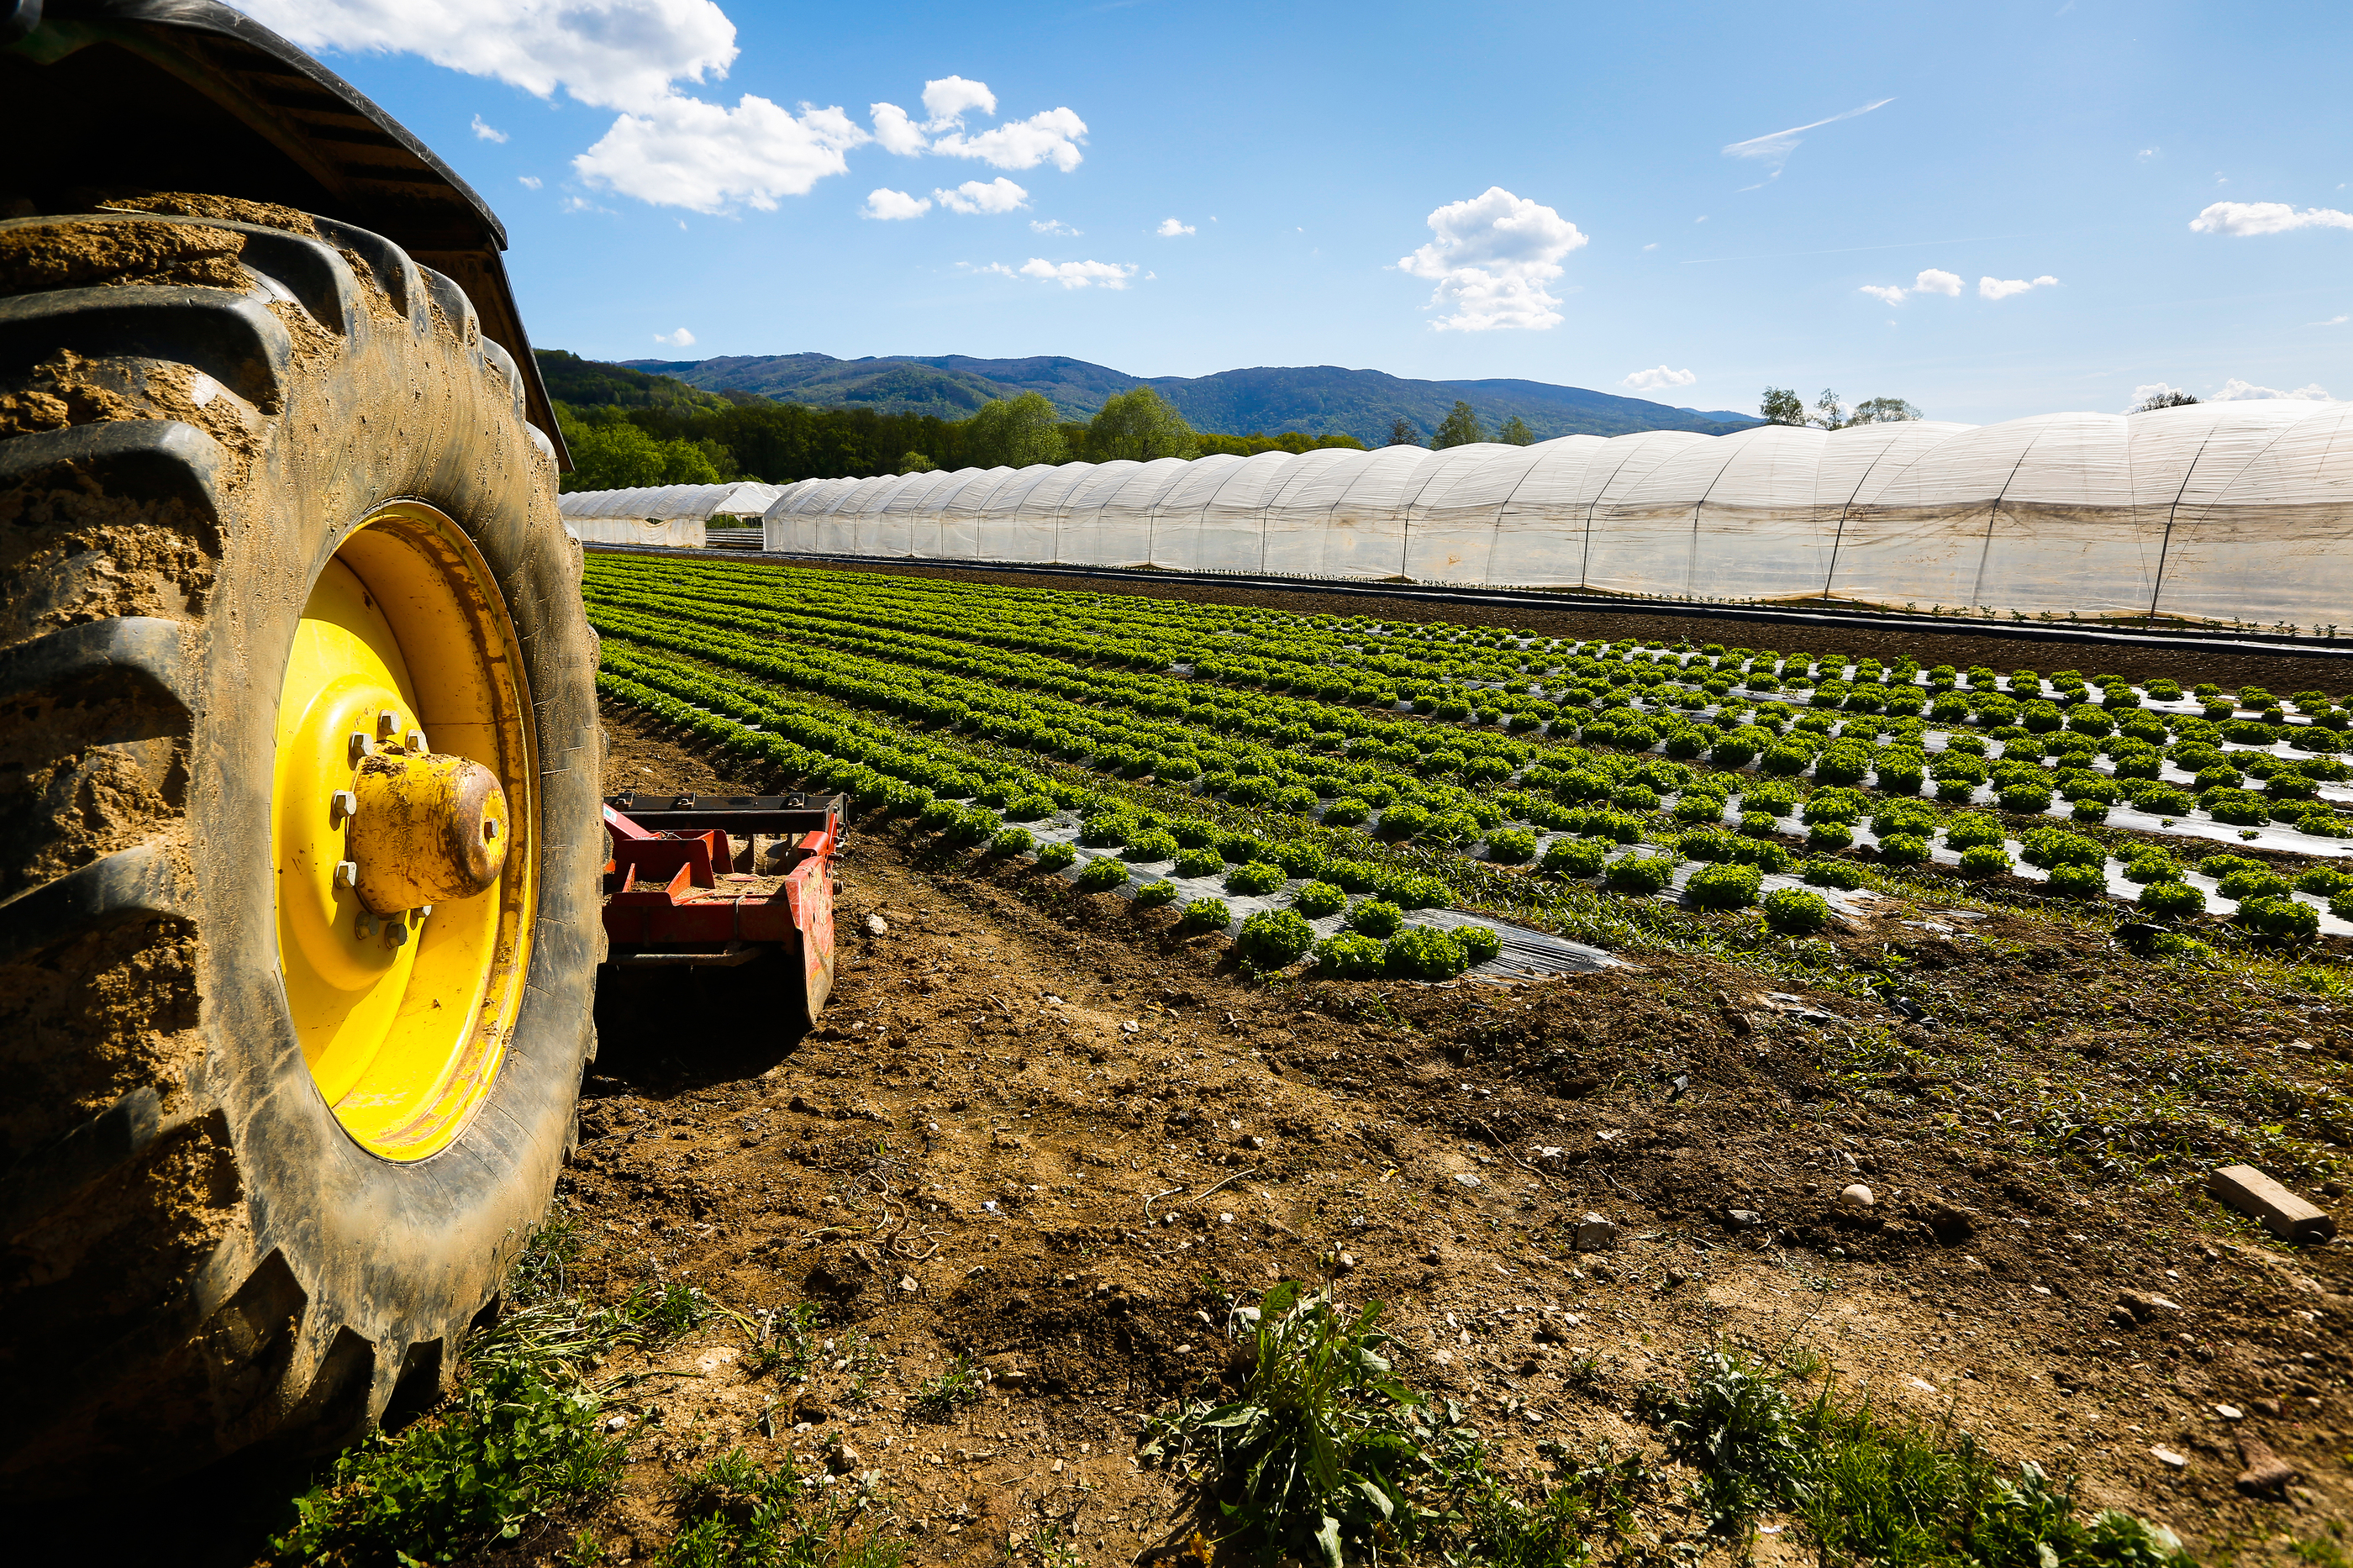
pixel 521 1438
pixel 1871 1488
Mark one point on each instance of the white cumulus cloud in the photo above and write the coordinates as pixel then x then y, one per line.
pixel 998 196
pixel 705 157
pixel 894 132
pixel 680 339
pixel 1170 228
pixel 890 204
pixel 2265 217
pixel 614 54
pixel 1052 137
pixel 2237 391
pixel 1659 379
pixel 486 133
pixel 2003 287
pixel 1053 226
pixel 633 56
pixel 1931 281
pixel 2147 390
pixel 1077 274
pixel 951 98
pixel 1491 261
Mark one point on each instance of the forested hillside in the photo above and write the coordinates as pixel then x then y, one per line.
pixel 638 424
pixel 1309 399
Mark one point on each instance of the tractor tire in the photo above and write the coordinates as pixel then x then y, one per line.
pixel 250 463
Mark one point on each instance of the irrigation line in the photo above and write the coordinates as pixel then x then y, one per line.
pixel 2256 643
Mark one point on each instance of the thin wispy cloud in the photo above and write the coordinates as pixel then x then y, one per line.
pixel 1774 148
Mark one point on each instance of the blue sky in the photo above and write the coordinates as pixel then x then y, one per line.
pixel 1563 193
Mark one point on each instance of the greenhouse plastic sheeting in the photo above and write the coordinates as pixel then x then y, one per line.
pixel 2216 511
pixel 681 532
pixel 699 502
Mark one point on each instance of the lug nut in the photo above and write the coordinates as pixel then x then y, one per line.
pixel 365 925
pixel 342 806
pixel 358 747
pixel 417 740
pixel 347 873
pixel 395 932
pixel 424 912
pixel 387 724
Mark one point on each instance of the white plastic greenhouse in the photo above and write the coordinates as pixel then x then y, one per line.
pixel 660 514
pixel 2214 510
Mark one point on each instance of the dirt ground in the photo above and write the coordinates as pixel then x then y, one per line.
pixel 2282 672
pixel 1038 1130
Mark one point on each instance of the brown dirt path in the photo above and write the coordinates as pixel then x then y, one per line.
pixel 1038 1130
pixel 2283 672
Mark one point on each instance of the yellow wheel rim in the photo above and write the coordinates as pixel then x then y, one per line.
pixel 404 1018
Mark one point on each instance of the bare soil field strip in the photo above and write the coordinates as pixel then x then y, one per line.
pixel 1862 636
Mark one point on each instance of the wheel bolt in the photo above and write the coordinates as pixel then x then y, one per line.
pixel 387 724
pixel 347 873
pixel 417 740
pixel 395 932
pixel 358 746
pixel 342 807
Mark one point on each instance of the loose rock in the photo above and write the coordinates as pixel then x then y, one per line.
pixel 1857 1197
pixel 1594 1233
pixel 877 926
pixel 2265 1471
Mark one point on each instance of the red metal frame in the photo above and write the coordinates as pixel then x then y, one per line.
pixel 668 894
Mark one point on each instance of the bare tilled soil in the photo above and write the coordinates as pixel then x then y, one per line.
pixel 1038 1134
pixel 2285 672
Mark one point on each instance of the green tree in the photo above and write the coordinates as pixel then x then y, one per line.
pixel 1827 411
pixel 1883 410
pixel 1252 445
pixel 1015 432
pixel 1460 428
pixel 609 452
pixel 2166 399
pixel 1403 434
pixel 1515 433
pixel 1782 407
pixel 1138 425
pixel 916 463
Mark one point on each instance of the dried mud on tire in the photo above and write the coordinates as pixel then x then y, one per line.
pixel 197 408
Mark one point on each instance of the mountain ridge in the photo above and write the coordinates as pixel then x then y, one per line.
pixel 1268 399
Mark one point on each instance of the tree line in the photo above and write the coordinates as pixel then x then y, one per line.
pixel 1781 405
pixel 676 443
pixel 616 447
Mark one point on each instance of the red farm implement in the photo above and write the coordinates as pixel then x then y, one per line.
pixel 693 885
